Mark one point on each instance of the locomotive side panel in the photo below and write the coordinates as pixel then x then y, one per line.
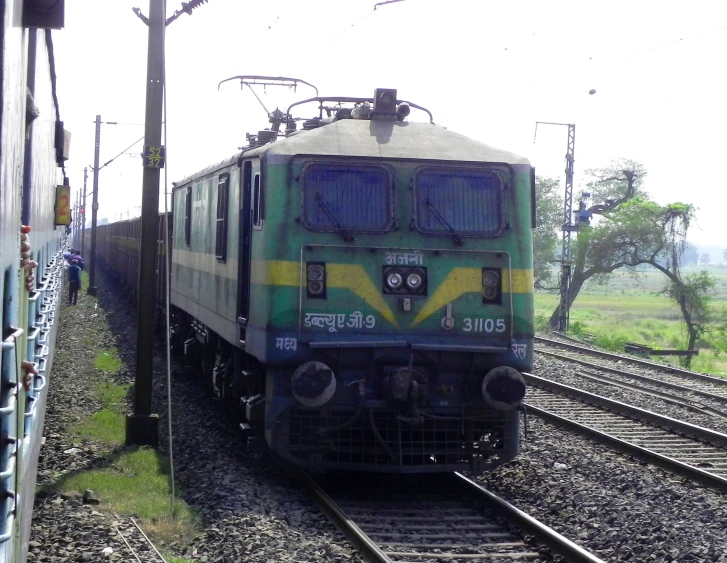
pixel 204 257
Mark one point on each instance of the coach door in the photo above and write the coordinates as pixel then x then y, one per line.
pixel 243 300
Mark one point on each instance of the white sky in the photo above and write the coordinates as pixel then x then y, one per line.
pixel 485 69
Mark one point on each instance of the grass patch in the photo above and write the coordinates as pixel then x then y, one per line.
pixel 107 361
pixel 108 424
pixel 133 482
pixel 137 483
pixel 630 309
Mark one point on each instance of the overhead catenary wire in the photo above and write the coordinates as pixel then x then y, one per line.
pixel 377 5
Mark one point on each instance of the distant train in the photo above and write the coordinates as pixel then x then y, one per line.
pixel 32 192
pixel 361 290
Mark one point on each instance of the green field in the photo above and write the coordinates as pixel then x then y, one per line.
pixel 631 309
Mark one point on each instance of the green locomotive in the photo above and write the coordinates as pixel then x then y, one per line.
pixel 361 289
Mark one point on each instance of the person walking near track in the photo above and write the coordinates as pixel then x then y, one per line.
pixel 74 283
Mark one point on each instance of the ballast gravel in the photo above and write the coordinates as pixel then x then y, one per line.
pixel 252 512
pixel 619 508
pixel 567 374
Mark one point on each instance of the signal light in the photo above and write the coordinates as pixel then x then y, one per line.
pixel 47 14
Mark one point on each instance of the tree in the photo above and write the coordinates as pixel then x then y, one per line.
pixel 693 295
pixel 704 258
pixel 664 231
pixel 607 245
pixel 549 214
pixel 724 254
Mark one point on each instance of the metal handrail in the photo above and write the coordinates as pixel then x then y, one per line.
pixel 10 519
pixel 43 383
pixel 12 464
pixel 12 402
pixel 32 336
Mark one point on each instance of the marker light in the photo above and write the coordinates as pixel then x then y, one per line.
pixel 316 280
pixel 491 286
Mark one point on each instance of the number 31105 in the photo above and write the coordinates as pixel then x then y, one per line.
pixel 484 325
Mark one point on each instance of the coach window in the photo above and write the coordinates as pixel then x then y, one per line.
pixel 188 216
pixel 221 237
pixel 459 201
pixel 257 204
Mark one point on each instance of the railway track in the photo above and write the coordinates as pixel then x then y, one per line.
pixel 665 376
pixel 434 518
pixel 681 447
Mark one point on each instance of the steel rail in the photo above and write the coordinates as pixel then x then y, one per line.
pixel 560 544
pixel 637 361
pixel 628 413
pixel 666 397
pixel 368 548
pixel 645 378
pixel 473 538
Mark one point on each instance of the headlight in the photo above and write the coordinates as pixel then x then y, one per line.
pixel 394 280
pixel 414 280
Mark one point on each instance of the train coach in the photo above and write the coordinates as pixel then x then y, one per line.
pixel 361 290
pixel 34 193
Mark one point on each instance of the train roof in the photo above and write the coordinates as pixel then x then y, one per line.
pixel 377 139
pixel 390 139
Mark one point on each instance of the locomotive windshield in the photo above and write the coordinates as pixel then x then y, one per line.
pixel 458 201
pixel 344 197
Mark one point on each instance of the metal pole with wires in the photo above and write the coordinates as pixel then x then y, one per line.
pixel 142 425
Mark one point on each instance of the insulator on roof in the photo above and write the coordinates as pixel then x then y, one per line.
pixel 265 136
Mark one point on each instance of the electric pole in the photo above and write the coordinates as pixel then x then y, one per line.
pixel 568 227
pixel 94 210
pixel 83 212
pixel 142 425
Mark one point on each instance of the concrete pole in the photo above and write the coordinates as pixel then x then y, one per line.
pixel 83 213
pixel 94 211
pixel 142 426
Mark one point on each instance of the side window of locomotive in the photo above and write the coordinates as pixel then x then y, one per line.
pixel 257 197
pixel 458 201
pixel 347 197
pixel 221 231
pixel 188 216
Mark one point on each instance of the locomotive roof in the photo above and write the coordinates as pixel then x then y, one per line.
pixel 390 139
pixel 379 139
